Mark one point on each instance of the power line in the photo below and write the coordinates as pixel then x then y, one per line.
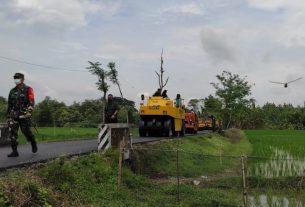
pixel 51 67
pixel 40 65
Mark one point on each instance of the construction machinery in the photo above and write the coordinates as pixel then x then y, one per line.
pixel 191 122
pixel 201 124
pixel 161 116
pixel 209 123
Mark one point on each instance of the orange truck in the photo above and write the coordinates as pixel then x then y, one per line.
pixel 191 122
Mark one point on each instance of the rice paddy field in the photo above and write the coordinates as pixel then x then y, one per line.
pixel 276 167
pixel 43 134
pixel 265 141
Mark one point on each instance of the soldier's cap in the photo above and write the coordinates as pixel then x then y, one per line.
pixel 18 76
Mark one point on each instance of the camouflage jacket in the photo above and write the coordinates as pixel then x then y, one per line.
pixel 110 108
pixel 20 100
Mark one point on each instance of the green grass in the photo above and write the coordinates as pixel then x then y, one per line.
pixel 263 141
pixel 91 181
pixel 60 133
pixel 44 134
pixel 198 155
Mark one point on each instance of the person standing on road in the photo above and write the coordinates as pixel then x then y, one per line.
pixel 213 118
pixel 19 112
pixel 111 110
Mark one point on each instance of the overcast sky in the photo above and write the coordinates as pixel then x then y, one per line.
pixel 261 39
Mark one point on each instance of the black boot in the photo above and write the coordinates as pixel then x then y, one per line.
pixel 34 146
pixel 14 153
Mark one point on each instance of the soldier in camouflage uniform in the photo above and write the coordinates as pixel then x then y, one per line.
pixel 111 110
pixel 19 112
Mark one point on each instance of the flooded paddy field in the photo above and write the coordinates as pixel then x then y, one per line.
pixel 276 168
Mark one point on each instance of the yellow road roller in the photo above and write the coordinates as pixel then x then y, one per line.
pixel 161 116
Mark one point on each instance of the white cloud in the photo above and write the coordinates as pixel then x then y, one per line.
pixel 273 5
pixel 117 51
pixel 289 29
pixel 189 8
pixel 57 13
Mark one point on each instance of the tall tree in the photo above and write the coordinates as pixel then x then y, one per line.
pixel 162 84
pixel 234 93
pixel 96 69
pixel 113 76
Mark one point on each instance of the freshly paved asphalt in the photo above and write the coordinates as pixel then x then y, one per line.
pixel 51 150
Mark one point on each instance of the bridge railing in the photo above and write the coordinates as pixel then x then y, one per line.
pixel 110 135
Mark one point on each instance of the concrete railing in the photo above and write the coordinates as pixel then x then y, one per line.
pixel 111 135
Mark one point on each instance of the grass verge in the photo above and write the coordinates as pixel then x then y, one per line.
pixel 199 155
pixel 91 180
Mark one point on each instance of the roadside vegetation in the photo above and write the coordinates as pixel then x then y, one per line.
pixel 91 180
pixel 198 155
pixel 151 180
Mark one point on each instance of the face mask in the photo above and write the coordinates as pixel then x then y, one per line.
pixel 17 81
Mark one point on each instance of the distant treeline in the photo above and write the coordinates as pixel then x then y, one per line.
pixel 250 116
pixel 88 113
pixel 271 116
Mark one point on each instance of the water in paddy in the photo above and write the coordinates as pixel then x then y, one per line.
pixel 272 201
pixel 280 164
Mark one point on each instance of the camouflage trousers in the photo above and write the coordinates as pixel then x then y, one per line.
pixel 25 126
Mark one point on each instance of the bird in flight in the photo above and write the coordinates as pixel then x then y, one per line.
pixel 286 84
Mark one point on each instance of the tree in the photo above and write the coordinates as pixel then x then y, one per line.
pixel 43 113
pixel 95 69
pixel 193 105
pixel 212 105
pixel 3 108
pixel 91 111
pixel 162 84
pixel 127 113
pixel 113 76
pixel 234 93
pixel 49 112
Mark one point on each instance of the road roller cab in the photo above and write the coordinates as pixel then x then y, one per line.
pixel 161 116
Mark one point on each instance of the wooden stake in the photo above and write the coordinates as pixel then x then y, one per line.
pixel 244 181
pixel 120 164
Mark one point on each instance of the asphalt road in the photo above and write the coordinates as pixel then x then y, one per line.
pixel 51 150
pixel 46 151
